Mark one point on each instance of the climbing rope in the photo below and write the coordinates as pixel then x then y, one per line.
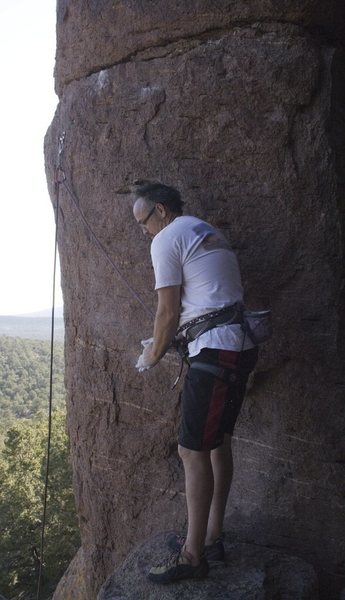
pixel 40 556
pixel 60 179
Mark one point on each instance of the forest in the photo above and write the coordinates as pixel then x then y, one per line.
pixel 24 401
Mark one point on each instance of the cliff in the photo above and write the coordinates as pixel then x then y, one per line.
pixel 241 106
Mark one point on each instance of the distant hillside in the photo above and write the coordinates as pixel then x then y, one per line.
pixel 44 313
pixel 37 328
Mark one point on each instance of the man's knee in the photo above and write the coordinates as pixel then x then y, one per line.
pixel 225 447
pixel 184 453
pixel 189 455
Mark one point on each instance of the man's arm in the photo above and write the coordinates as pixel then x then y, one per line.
pixel 165 326
pixel 166 320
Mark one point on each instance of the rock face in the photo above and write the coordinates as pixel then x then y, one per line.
pixel 241 106
pixel 250 572
pixel 72 586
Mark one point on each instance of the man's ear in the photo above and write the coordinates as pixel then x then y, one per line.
pixel 161 209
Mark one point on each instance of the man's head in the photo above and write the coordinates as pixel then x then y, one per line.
pixel 156 205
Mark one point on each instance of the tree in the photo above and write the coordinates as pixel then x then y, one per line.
pixel 22 478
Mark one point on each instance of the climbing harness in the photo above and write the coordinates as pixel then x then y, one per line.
pixel 199 325
pixel 257 325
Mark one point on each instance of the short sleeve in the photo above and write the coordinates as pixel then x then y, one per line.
pixel 166 262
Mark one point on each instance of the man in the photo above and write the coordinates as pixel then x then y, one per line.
pixel 196 274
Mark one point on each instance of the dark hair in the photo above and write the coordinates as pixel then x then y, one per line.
pixel 156 192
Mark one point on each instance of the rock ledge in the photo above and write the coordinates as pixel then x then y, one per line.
pixel 250 572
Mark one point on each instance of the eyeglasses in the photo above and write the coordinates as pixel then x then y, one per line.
pixel 144 221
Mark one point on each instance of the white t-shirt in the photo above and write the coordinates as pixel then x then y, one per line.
pixel 194 254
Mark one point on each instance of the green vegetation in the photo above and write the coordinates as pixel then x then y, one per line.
pixel 24 379
pixel 24 389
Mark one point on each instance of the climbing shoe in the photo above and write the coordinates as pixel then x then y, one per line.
pixel 177 566
pixel 214 553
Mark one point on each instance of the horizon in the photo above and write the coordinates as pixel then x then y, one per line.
pixel 43 313
pixel 32 326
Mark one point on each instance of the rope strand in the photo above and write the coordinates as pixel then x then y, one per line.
pixel 102 248
pixel 50 409
pixel 60 179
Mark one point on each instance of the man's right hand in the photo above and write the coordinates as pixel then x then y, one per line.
pixel 145 359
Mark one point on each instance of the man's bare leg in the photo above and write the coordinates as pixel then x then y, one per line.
pixel 222 467
pixel 199 491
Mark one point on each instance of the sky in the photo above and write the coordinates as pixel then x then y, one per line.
pixel 27 106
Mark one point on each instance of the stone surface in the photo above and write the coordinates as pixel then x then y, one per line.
pixel 249 573
pixel 248 121
pixel 95 35
pixel 72 585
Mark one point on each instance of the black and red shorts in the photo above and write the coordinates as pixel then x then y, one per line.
pixel 212 396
